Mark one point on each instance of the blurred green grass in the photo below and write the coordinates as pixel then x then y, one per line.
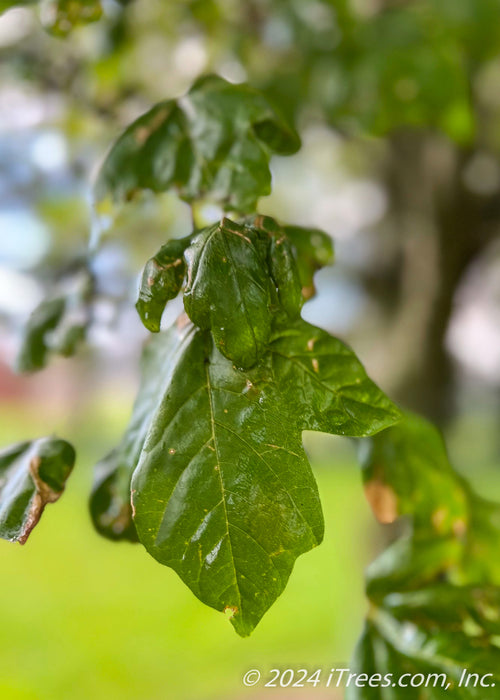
pixel 82 617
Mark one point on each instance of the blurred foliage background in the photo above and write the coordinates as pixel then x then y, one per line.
pixel 398 106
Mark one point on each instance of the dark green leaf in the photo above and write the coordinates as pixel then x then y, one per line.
pixel 228 290
pixel 58 325
pixel 110 504
pixel 313 250
pixel 326 384
pixel 285 275
pixel 32 474
pixel 444 632
pixel 161 281
pixel 407 472
pixel 223 492
pixel 35 346
pixel 214 143
pixel 435 594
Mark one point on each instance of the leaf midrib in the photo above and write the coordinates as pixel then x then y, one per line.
pixel 223 492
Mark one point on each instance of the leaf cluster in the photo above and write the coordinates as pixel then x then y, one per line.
pixel 434 593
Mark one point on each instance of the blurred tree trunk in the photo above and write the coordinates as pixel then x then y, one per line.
pixel 442 226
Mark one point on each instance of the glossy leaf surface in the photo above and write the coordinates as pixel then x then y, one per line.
pixel 326 384
pixel 32 474
pixel 311 249
pixel 214 143
pixel 228 290
pixel 223 492
pixel 228 499
pixel 161 281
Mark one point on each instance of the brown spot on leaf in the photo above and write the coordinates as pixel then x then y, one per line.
pixel 459 527
pixel 227 225
pixel 43 495
pixel 230 611
pixel 383 501
pixel 438 518
pixel 143 132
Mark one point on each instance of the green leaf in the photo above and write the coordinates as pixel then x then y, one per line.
pixel 407 472
pixel 60 17
pixel 223 492
pixel 228 290
pixel 435 593
pixel 34 350
pixel 445 631
pixel 214 143
pixel 110 504
pixel 411 563
pixel 161 281
pixel 32 474
pixel 313 250
pixel 326 384
pixel 8 4
pixel 58 325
